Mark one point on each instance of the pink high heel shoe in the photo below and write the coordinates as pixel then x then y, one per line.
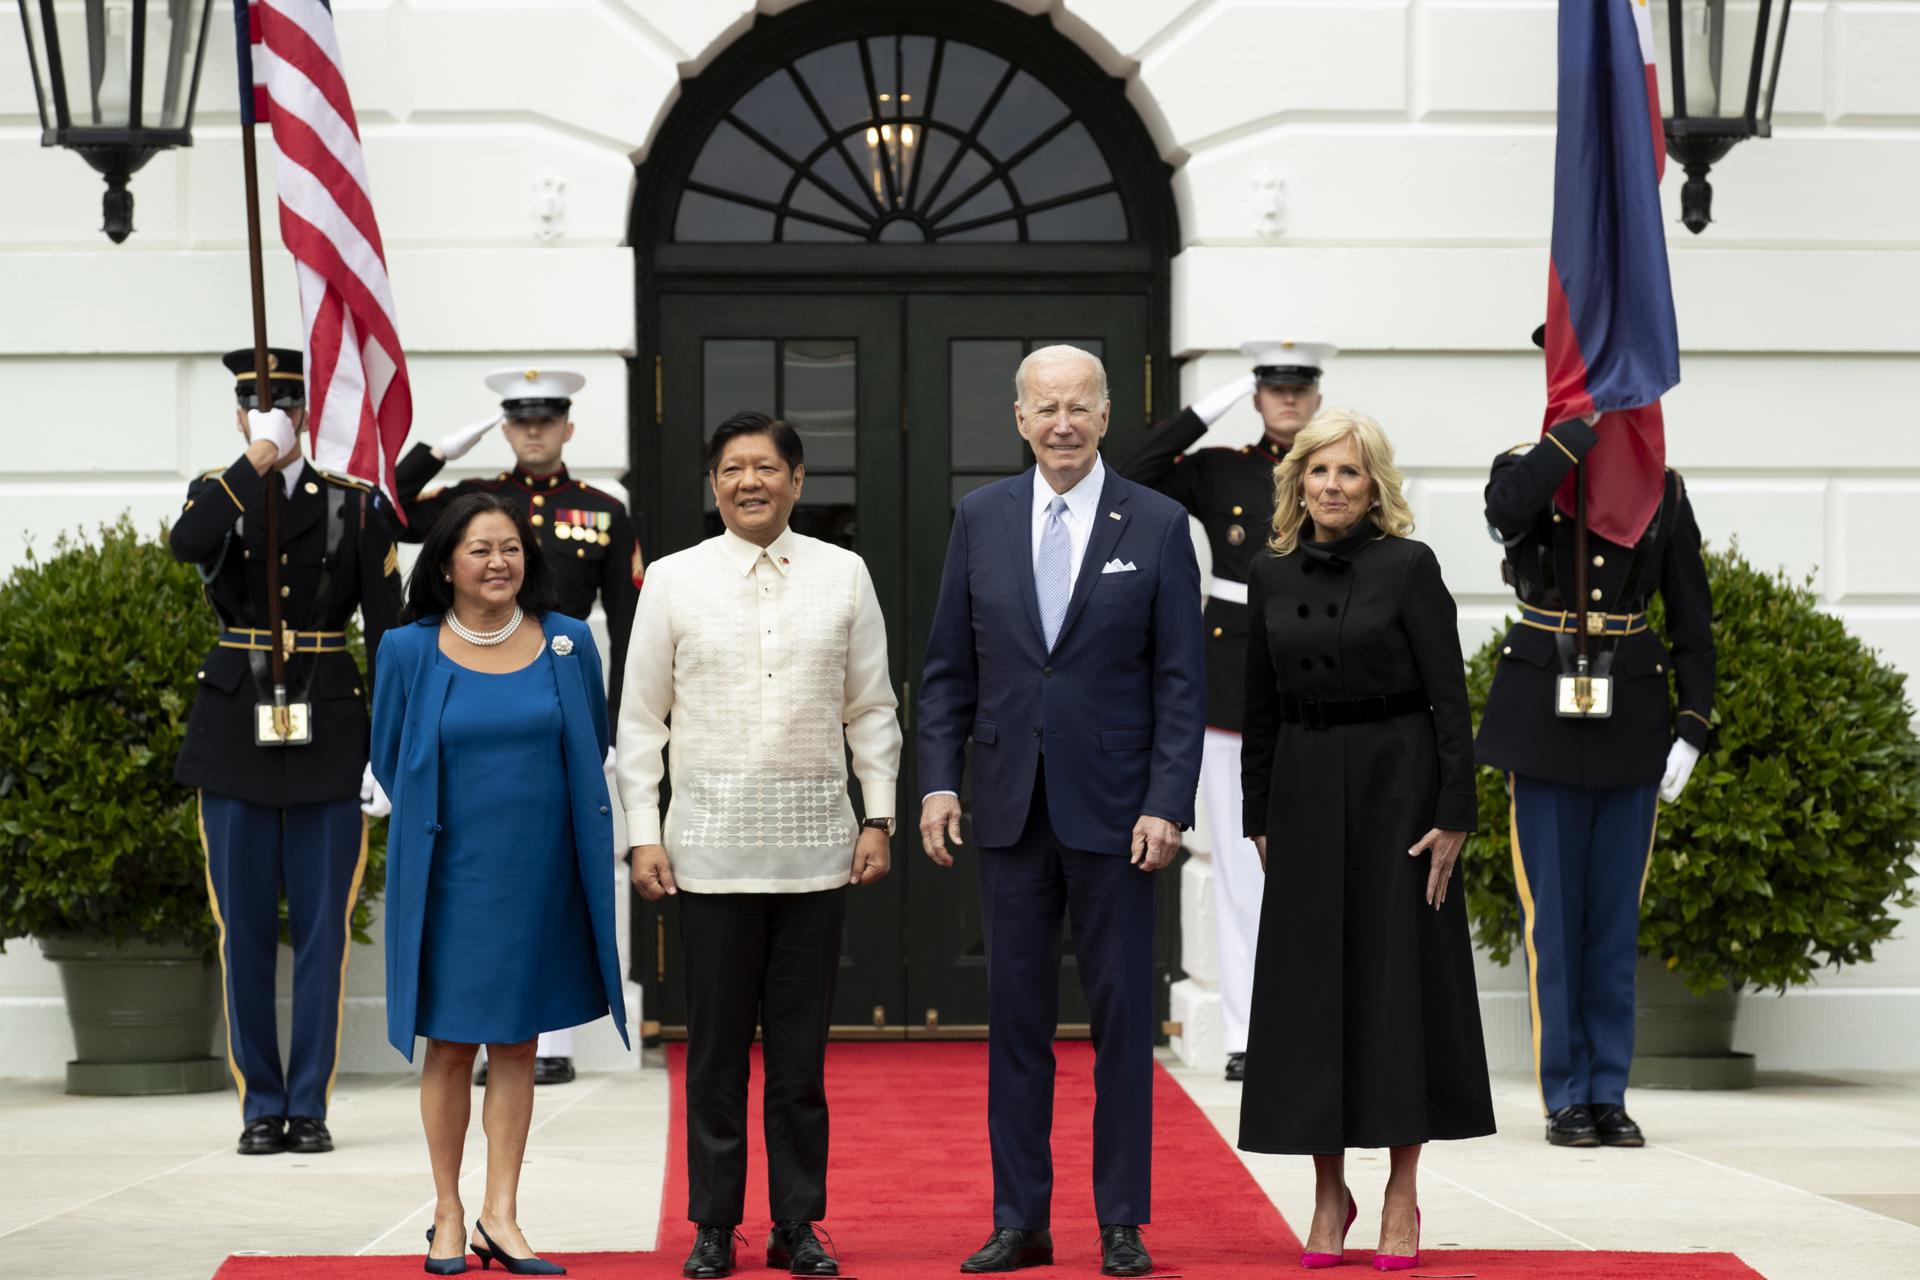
pixel 1313 1260
pixel 1400 1261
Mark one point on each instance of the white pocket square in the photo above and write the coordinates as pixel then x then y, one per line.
pixel 1118 566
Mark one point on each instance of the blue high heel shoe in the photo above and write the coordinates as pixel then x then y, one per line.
pixel 445 1266
pixel 491 1253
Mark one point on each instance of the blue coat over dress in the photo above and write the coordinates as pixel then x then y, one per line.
pixel 407 702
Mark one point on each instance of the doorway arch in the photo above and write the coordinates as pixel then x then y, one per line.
pixel 860 216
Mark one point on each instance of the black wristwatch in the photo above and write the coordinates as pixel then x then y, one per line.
pixel 880 824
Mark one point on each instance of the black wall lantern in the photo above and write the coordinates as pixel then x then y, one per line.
pixel 116 80
pixel 1722 64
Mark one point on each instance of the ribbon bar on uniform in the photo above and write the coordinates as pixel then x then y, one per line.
pixel 1598 624
pixel 261 639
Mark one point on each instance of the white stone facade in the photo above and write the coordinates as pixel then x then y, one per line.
pixel 1375 172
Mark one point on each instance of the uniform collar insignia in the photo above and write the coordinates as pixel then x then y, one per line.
pixel 542 484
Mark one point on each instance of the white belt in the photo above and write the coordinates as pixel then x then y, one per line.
pixel 1222 589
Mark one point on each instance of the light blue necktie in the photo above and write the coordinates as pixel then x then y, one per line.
pixel 1053 576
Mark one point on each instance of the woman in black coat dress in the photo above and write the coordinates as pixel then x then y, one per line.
pixel 1358 760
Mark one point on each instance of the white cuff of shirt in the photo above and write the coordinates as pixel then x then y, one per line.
pixel 931 794
pixel 877 798
pixel 643 827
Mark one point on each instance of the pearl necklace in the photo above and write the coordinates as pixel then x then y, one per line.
pixel 485 638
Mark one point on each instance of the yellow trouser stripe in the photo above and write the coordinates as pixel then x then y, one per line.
pixel 220 921
pixel 346 948
pixel 1527 911
pixel 1646 868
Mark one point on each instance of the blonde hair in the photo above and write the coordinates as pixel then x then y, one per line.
pixel 1391 514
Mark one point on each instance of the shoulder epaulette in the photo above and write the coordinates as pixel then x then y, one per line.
pixel 213 474
pixel 345 481
pixel 1521 449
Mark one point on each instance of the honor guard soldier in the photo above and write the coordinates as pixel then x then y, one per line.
pixel 284 797
pixel 587 536
pixel 1585 735
pixel 1230 491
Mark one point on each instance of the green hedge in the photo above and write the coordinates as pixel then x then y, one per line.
pixel 98 646
pixel 1794 842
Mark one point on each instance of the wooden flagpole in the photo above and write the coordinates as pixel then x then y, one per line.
pixel 263 400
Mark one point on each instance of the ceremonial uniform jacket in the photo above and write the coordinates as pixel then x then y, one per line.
pixel 587 537
pixel 336 555
pixel 1519 731
pixel 1230 491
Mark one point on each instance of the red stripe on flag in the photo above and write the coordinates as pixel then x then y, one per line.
pixel 300 144
pixel 293 46
pixel 1567 395
pixel 323 355
pixel 312 246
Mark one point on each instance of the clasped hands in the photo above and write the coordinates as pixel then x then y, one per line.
pixel 652 870
pixel 1154 842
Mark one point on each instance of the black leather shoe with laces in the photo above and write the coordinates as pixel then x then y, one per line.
pixel 553 1070
pixel 266 1136
pixel 794 1246
pixel 1616 1127
pixel 308 1136
pixel 1572 1126
pixel 1236 1066
pixel 1121 1253
pixel 712 1255
pixel 1009 1249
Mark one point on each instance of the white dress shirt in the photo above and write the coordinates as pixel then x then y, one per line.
pixel 1083 502
pixel 769 664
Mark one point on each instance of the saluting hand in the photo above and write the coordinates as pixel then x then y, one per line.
pixel 1446 851
pixel 1155 841
pixel 939 823
pixel 872 855
pixel 652 872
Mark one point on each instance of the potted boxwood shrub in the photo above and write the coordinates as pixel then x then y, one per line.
pixel 1790 849
pixel 100 853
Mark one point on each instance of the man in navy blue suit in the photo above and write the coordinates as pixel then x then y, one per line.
pixel 1067 644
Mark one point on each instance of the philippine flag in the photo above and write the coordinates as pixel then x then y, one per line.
pixel 1612 344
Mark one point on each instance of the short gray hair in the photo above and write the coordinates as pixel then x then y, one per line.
pixel 1059 353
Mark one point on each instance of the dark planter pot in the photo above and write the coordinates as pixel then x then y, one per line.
pixel 1684 1041
pixel 144 1016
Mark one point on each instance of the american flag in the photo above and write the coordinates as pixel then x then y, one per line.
pixel 359 402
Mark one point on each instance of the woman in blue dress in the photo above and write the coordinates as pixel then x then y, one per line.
pixel 489 729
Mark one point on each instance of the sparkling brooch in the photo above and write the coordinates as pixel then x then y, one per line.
pixel 562 645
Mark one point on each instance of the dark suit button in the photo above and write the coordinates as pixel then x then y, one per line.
pixel 1326 660
pixel 1036 731
pixel 1304 611
pixel 1333 611
pixel 603 809
pixel 1306 664
pixel 1047 672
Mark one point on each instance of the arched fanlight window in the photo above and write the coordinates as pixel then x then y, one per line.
pixel 900 138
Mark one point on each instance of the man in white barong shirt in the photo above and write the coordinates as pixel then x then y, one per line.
pixel 766 651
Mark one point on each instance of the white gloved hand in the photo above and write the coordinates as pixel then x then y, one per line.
pixel 457 444
pixel 1680 761
pixel 272 425
pixel 373 801
pixel 1209 407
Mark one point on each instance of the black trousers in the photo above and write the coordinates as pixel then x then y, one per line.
pixel 769 958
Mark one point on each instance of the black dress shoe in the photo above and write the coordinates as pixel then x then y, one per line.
pixel 480 1073
pixel 1121 1253
pixel 1009 1249
pixel 1572 1126
pixel 266 1136
pixel 553 1070
pixel 308 1136
pixel 794 1246
pixel 1616 1127
pixel 712 1255
pixel 1236 1066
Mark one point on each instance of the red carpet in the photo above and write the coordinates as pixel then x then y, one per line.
pixel 910 1192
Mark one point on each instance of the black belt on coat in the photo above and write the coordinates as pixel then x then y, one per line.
pixel 1326 713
